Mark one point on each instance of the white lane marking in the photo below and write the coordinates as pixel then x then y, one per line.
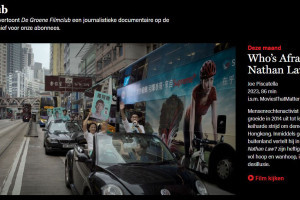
pixel 19 178
pixel 9 178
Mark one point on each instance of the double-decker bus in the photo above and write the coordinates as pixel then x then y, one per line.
pixel 160 86
pixel 26 112
pixel 46 102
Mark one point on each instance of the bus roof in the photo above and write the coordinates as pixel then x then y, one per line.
pixel 175 54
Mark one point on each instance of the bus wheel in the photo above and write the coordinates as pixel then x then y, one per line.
pixel 224 169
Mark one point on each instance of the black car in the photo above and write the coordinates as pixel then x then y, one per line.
pixel 128 164
pixel 60 136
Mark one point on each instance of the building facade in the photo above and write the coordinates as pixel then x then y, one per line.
pixel 3 69
pixel 57 58
pixel 14 57
pixel 27 56
pixel 16 84
pixel 112 57
pixel 71 62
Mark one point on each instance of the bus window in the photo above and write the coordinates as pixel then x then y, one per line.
pixel 134 73
pixel 138 71
pixel 172 56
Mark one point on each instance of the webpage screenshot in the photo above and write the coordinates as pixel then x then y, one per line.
pixel 99 102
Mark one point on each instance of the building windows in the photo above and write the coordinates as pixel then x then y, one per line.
pixel 107 59
pixel 99 65
pixel 121 51
pixel 114 54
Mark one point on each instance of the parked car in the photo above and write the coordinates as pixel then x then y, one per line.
pixel 128 164
pixel 60 136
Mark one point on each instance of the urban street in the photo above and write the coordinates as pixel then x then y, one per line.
pixel 166 91
pixel 25 169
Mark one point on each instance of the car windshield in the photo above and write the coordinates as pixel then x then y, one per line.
pixel 121 148
pixel 65 127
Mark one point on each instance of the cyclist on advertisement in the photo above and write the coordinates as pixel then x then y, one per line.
pixel 204 96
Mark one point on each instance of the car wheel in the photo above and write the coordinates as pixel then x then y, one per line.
pixel 47 152
pixel 67 175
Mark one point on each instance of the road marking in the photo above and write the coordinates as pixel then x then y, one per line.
pixel 19 178
pixel 9 178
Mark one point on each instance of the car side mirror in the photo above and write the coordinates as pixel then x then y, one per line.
pixel 82 157
pixel 221 124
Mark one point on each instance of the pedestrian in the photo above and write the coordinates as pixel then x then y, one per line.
pixel 134 126
pixel 89 132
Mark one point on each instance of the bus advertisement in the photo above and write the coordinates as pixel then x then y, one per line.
pixel 46 102
pixel 169 94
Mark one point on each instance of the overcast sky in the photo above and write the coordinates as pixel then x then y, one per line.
pixel 41 53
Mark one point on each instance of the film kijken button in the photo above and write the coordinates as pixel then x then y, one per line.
pixel 269 178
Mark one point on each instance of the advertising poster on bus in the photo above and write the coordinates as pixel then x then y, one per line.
pixel 58 112
pixel 101 106
pixel 169 103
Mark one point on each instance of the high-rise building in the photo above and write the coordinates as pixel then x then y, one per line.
pixel 38 71
pixel 16 84
pixel 57 63
pixel 71 62
pixel 87 55
pixel 46 71
pixel 14 57
pixel 14 64
pixel 27 55
pixel 57 58
pixel 3 69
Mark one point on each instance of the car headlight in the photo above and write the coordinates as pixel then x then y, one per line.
pixel 52 140
pixel 201 188
pixel 111 189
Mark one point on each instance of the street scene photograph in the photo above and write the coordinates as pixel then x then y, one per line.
pixel 118 119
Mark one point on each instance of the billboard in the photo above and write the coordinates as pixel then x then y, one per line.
pixel 68 84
